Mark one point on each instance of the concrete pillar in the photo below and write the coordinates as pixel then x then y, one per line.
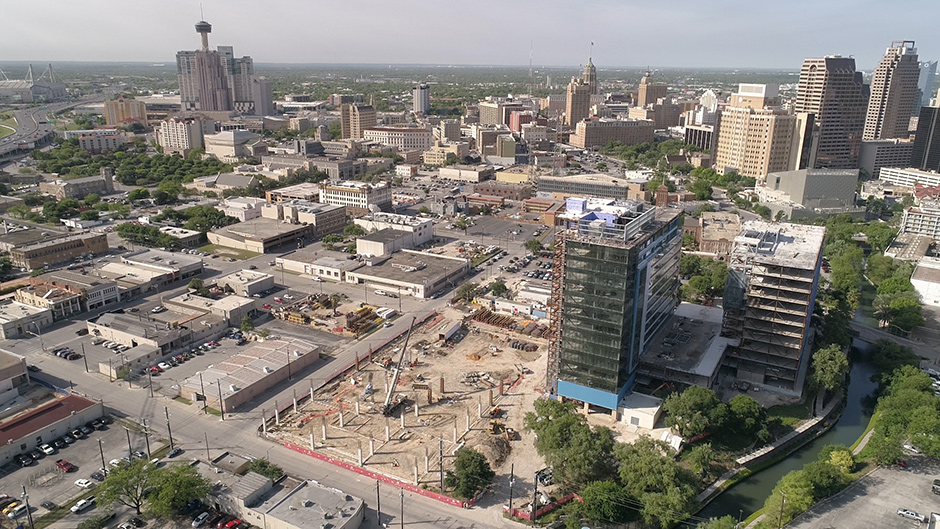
pixel 360 453
pixel 357 362
pixel 416 410
pixel 614 415
pixel 416 471
pixel 313 444
pixel 277 416
pixel 371 446
pixel 468 420
pixel 323 425
pixel 427 460
pixel 386 386
pixel 491 398
pixel 455 430
pixel 587 408
pixel 311 393
pixel 430 397
pixel 295 404
pixel 402 419
pixel 479 407
pixel 442 386
pixel 341 425
pixel 264 422
pixel 501 386
pixel 357 408
pixel 386 430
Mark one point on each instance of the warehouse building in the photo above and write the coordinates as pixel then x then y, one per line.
pixel 409 273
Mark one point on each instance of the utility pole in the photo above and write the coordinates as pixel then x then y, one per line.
pixel 169 432
pixel 150 379
pixel 378 504
pixel 442 463
pixel 205 400
pixel 208 459
pixel 401 493
pixel 147 438
pixel 535 501
pixel 104 467
pixel 782 504
pixel 29 515
pixel 221 404
pixel 85 358
pixel 512 479
pixel 130 450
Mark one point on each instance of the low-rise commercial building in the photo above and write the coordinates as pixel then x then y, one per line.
pixel 231 309
pixel 186 238
pixel 383 242
pixel 358 197
pixel 58 248
pixel 323 218
pixel 717 231
pixel 19 319
pixel 222 182
pixel 514 175
pixel 926 280
pixel 909 177
pixel 94 291
pixel 810 193
pixel 260 235
pixel 241 208
pixel 402 137
pixel 143 270
pixel 232 145
pixel 246 282
pixel 309 263
pixel 251 372
pixel 515 192
pixel 306 191
pixel 13 377
pixel 410 273
pixel 469 173
pixel 592 185
pixel 32 425
pixel 438 155
pixel 79 188
pixel 157 334
pixel 61 301
pixel 422 229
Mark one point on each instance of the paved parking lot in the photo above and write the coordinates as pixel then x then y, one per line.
pixel 45 482
pixel 874 500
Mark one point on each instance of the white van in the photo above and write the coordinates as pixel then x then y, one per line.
pixel 381 292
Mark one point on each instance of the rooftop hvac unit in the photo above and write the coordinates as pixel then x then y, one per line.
pixel 297 353
pixel 267 370
pixel 233 388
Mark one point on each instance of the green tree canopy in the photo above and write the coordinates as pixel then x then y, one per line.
pixel 690 411
pixel 247 324
pixel 128 484
pixel 498 287
pixel 266 469
pixel 467 291
pixel 651 476
pixel 534 246
pixel 174 487
pixel 471 473
pixel 830 367
pixel 353 230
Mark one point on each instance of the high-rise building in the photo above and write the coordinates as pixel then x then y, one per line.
pixel 422 99
pixel 578 104
pixel 832 90
pixel 121 111
pixel 202 76
pixel 589 76
pixel 926 151
pixel 181 135
pixel 773 275
pixel 355 118
pixel 755 136
pixel 925 82
pixel 239 72
pixel 650 92
pixel 617 274
pixel 893 93
pixel 262 101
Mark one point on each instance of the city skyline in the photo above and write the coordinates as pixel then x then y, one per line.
pixel 763 37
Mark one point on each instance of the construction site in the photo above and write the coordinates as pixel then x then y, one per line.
pixel 451 381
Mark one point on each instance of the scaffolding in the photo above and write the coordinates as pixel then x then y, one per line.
pixel 555 310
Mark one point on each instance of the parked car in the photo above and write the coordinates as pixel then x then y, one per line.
pixel 84 483
pixel 97 476
pixel 87 429
pixel 201 519
pixel 24 460
pixel 83 504
pixel 59 443
pixel 175 452
pixel 912 515
pixel 65 466
pixel 47 449
pixel 17 511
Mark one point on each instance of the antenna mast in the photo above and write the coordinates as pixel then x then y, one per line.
pixel 531 79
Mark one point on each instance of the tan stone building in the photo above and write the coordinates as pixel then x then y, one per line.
pixel 833 92
pixel 755 135
pixel 893 93
pixel 122 111
pixel 649 92
pixel 58 250
pixel 591 133
pixel 355 118
pixel 717 232
pixel 578 102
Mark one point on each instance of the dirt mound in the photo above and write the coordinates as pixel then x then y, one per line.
pixel 496 449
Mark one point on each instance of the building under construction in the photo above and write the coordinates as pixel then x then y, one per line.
pixel 45 88
pixel 616 271
pixel 768 302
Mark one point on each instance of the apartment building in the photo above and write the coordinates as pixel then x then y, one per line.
pixel 404 138
pixel 355 118
pixel 122 111
pixel 357 197
pixel 181 135
pixel 597 132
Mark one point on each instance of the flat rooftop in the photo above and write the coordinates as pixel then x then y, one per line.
pixel 909 246
pixel 306 188
pixel 778 243
pixel 258 229
pixel 21 237
pixel 689 342
pixel 598 179
pixel 385 235
pixel 250 365
pixel 411 267
pixel 14 310
pixel 226 303
pixel 161 259
pixel 59 239
pixel 309 504
pixel 717 226
pixel 396 218
pixel 928 270
pixel 8 359
pixel 179 233
pixel 74 279
pixel 27 422
pixel 128 274
pixel 245 276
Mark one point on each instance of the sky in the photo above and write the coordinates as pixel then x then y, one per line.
pixel 626 33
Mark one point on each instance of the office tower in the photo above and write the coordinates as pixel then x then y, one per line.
pixel 356 117
pixel 262 102
pixel 926 151
pixel 616 278
pixel 121 111
pixel 202 77
pixel 240 72
pixel 578 104
pixel 773 275
pixel 755 135
pixel 832 90
pixel 925 82
pixel 893 93
pixel 181 135
pixel 589 76
pixel 650 92
pixel 422 99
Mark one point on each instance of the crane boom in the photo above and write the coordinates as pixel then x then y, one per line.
pixel 388 407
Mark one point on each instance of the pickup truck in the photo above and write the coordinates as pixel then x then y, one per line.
pixel 65 465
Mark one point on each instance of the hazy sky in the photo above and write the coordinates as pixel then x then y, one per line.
pixel 674 33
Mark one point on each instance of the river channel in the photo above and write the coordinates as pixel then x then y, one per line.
pixel 749 494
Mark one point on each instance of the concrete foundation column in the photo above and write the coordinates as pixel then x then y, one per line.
pixel 313 444
pixel 468 420
pixel 491 398
pixel 587 408
pixel 264 422
pixel 416 471
pixel 371 446
pixel 442 386
pixel 295 404
pixel 402 419
pixel 341 425
pixel 323 425
pixel 427 460
pixel 360 453
pixel 501 385
pixel 277 416
pixel 311 393
pixel 614 415
pixel 479 408
pixel 416 410
pixel 455 430
pixel 357 408
pixel 357 362
pixel 386 430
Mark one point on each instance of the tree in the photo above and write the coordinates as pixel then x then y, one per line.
pixel 128 484
pixel 498 287
pixel 725 522
pixel 533 246
pixel 91 199
pixel 174 487
pixel 825 479
pixel 689 242
pixel 830 366
pixel 467 291
pixel 266 469
pixel 702 189
pixel 424 210
pixel 353 230
pixel 701 457
pixel 689 411
pixel 604 501
pixel 248 324
pixel 651 476
pixel 6 266
pixel 197 285
pixel 90 214
pixel 139 194
pixel 471 473
pixel 335 300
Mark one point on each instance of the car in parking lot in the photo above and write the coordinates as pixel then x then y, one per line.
pixel 37 454
pixel 201 519
pixel 912 515
pixel 65 466
pixel 68 439
pixel 9 508
pixel 267 306
pixel 59 443
pixel 83 504
pixel 175 452
pixel 84 483
pixel 24 460
pixel 47 449
pixel 17 511
pixel 158 309
pixel 97 476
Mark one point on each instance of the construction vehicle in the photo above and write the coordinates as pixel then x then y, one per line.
pixel 389 407
pixel 496 412
pixel 496 426
pixel 512 434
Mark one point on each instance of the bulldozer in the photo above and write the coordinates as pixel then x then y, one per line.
pixel 496 426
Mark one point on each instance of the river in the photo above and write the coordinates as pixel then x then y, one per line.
pixel 749 494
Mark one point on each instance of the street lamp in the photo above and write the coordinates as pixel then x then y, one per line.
pixel 29 515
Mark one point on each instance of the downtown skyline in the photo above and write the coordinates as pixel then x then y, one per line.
pixel 730 34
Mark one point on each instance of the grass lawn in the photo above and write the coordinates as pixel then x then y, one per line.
pixel 791 414
pixel 7 127
pixel 228 252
